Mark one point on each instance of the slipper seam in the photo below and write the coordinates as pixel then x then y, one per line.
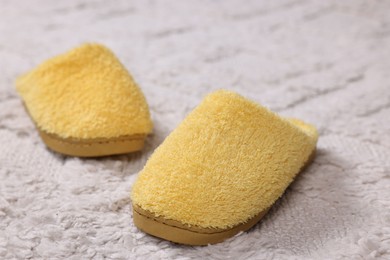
pixel 58 139
pixel 163 223
pixel 93 143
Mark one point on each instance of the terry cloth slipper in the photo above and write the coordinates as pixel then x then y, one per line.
pixel 84 103
pixel 220 171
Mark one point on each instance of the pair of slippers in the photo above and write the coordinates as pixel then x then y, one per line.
pixel 216 174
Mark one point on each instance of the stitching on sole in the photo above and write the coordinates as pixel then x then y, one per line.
pixel 188 230
pixel 87 142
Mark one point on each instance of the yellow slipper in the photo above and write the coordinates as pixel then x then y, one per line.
pixel 84 103
pixel 220 171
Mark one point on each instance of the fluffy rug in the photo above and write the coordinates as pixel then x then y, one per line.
pixel 326 62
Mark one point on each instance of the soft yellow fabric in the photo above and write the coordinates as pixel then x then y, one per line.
pixel 226 162
pixel 85 93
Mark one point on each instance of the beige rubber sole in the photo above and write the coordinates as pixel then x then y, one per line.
pixel 93 147
pixel 178 232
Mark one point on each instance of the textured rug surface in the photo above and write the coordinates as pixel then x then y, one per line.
pixel 326 62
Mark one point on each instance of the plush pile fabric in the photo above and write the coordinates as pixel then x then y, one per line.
pixel 85 93
pixel 229 160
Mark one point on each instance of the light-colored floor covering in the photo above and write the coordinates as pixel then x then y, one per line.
pixel 327 62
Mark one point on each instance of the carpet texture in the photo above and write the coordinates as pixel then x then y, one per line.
pixel 326 62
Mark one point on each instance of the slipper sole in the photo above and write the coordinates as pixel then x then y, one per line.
pixel 96 147
pixel 177 232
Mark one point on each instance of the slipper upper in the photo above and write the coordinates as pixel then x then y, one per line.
pixel 85 93
pixel 226 162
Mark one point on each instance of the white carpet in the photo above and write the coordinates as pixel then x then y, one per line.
pixel 326 62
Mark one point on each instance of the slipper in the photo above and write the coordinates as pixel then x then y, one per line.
pixel 219 171
pixel 84 103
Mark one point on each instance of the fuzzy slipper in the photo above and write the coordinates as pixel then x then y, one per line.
pixel 84 103
pixel 220 171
